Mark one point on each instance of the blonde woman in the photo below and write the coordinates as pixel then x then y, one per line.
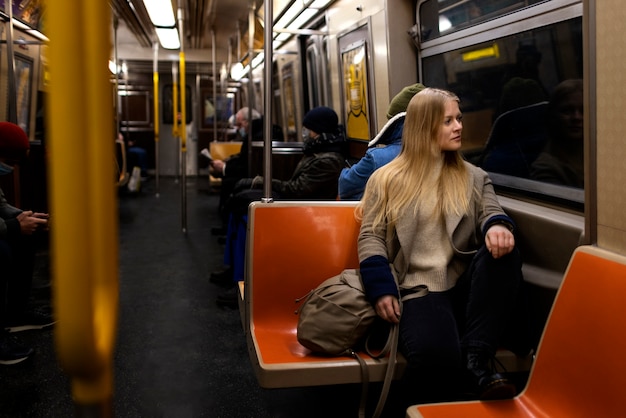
pixel 433 221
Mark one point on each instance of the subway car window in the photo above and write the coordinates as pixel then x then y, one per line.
pixel 522 100
pixel 446 16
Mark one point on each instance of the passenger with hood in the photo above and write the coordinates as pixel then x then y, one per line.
pixel 382 149
pixel 315 176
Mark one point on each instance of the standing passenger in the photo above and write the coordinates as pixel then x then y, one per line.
pixel 382 149
pixel 433 221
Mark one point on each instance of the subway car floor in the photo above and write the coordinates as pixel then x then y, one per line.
pixel 177 353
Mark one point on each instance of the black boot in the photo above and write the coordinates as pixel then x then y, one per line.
pixel 223 278
pixel 229 298
pixel 488 383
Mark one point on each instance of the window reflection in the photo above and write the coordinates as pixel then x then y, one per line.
pixel 446 16
pixel 561 161
pixel 510 117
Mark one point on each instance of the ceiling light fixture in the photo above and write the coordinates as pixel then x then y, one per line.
pixel 162 17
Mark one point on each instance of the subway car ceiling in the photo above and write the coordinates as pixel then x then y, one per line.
pixel 213 30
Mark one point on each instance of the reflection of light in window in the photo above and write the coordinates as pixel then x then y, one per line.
pixel 477 54
pixel 444 23
pixel 358 57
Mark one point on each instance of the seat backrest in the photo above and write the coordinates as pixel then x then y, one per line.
pixel 222 150
pixel 515 140
pixel 291 248
pixel 580 360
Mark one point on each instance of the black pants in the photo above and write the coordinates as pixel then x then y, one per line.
pixel 17 259
pixel 437 330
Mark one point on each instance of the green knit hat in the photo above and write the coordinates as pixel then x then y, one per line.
pixel 400 102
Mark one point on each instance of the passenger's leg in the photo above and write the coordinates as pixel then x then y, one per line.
pixel 429 340
pixel 488 292
pixel 11 350
pixel 21 280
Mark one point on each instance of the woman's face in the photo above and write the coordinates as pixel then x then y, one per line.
pixel 451 127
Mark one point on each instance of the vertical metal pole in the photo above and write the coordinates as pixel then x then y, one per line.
pixel 175 126
pixel 12 88
pixel 155 78
pixel 116 105
pixel 251 28
pixel 183 124
pixel 269 93
pixel 214 59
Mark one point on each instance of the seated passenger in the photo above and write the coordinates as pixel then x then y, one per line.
pixel 17 255
pixel 137 157
pixel 314 178
pixel 420 214
pixel 562 160
pixel 382 149
pixel 234 168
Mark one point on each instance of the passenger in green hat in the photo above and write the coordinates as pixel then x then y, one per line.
pixel 382 149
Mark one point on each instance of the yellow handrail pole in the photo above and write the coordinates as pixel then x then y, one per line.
pixel 82 201
pixel 175 126
pixel 155 78
pixel 183 121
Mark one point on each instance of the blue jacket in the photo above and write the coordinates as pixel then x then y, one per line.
pixel 352 180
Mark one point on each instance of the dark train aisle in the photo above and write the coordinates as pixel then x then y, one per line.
pixel 178 354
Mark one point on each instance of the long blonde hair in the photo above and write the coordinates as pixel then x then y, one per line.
pixel 402 181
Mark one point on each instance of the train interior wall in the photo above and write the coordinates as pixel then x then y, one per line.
pixel 607 108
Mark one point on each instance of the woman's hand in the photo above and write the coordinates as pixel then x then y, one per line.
pixel 499 240
pixel 388 308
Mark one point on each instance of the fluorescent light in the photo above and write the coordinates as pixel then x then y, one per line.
pixel 319 4
pixel 112 67
pixel 258 60
pixel 237 71
pixel 29 30
pixel 288 16
pixel 160 12
pixel 304 17
pixel 168 37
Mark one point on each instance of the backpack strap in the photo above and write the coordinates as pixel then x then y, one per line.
pixel 365 378
pixel 392 345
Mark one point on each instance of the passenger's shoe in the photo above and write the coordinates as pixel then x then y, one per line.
pixel 229 298
pixel 11 351
pixel 29 321
pixel 490 385
pixel 218 231
pixel 223 277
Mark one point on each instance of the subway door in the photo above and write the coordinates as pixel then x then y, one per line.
pixel 169 143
